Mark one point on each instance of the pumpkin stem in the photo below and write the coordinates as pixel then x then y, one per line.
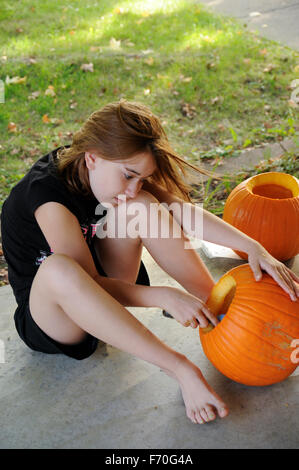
pixel 220 298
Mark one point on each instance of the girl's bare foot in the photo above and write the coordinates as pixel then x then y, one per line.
pixel 202 403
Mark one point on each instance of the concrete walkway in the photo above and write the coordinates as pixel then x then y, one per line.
pixel 274 19
pixel 248 158
pixel 115 401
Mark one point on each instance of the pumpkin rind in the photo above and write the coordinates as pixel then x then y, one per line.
pixel 252 344
pixel 273 222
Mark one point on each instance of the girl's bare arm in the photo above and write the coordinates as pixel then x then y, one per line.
pixel 216 230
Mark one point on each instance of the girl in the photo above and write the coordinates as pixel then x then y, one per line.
pixel 76 296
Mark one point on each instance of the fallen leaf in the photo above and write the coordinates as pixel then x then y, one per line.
pixel 263 51
pixel 34 95
pixel 185 79
pixel 210 65
pixel 46 119
pixel 50 91
pixel 247 61
pixel 114 43
pixel 267 125
pixel 73 104
pixel 12 127
pixel 56 121
pixel 149 61
pixel 269 68
pixel 87 67
pixel 217 100
pixel 188 110
pixel 15 80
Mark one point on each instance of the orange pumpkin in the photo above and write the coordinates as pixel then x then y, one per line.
pixel 266 207
pixel 252 345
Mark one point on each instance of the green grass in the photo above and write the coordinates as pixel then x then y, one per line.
pixel 171 55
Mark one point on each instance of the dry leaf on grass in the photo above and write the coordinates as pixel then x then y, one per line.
pixel 114 43
pixel 217 100
pixel 12 127
pixel 50 91
pixel 185 79
pixel 188 110
pixel 46 119
pixel 269 68
pixel 149 61
pixel 87 67
pixel 34 95
pixel 15 80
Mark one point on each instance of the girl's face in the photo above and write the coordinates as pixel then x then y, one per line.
pixel 111 179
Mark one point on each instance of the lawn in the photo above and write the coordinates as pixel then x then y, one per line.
pixel 215 86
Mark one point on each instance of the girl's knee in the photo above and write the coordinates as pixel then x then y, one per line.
pixel 59 269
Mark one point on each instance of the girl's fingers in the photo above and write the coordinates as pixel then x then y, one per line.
pixel 211 316
pixel 293 276
pixel 202 320
pixel 294 290
pixel 285 283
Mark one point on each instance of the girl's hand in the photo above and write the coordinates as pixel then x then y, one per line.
pixel 259 257
pixel 188 309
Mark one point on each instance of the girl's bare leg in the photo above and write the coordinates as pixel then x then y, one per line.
pixel 183 265
pixel 91 309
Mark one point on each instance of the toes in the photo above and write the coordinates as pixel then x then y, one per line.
pixel 203 415
pixel 221 408
pixel 210 412
pixel 223 411
pixel 200 418
pixel 192 417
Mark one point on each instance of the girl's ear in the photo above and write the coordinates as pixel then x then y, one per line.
pixel 90 160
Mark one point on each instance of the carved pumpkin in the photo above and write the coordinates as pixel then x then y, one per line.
pixel 252 345
pixel 266 208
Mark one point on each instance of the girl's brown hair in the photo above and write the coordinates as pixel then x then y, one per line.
pixel 119 131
